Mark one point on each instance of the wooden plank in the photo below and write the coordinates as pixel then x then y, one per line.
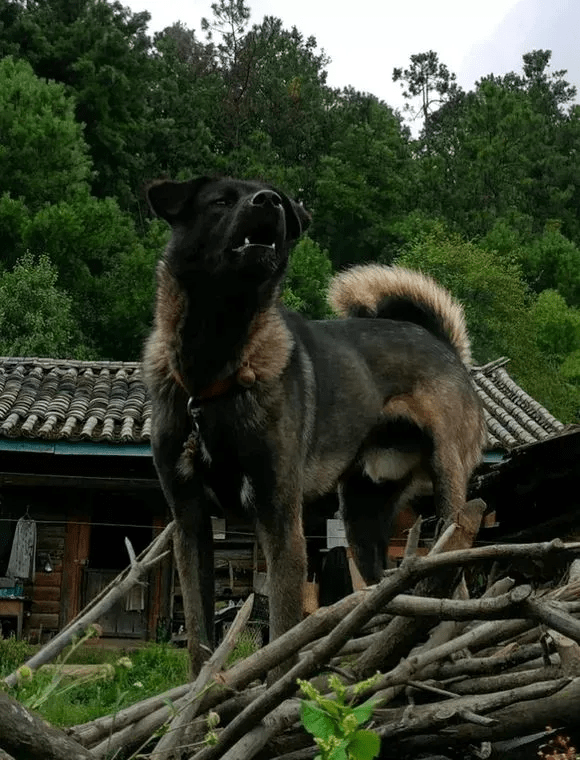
pixel 10 607
pixel 44 621
pixel 52 530
pixel 242 554
pixel 73 481
pixel 155 585
pixel 51 544
pixel 48 579
pixel 42 607
pixel 47 594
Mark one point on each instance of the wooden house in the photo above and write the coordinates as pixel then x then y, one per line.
pixel 75 459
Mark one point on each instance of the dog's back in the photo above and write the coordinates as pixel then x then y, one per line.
pixel 404 380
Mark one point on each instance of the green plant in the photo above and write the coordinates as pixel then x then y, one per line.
pixel 246 645
pixel 42 691
pixel 335 723
pixel 13 652
pixel 133 676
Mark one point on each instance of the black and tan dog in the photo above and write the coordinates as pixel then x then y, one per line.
pixel 284 410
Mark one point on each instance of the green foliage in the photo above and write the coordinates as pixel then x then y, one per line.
pixel 43 156
pixel 500 313
pixel 553 261
pixel 570 370
pixel 13 652
pixel 36 317
pixel 64 701
pixel 307 280
pixel 362 185
pixel 14 217
pixel 100 52
pixel 91 107
pixel 105 266
pixel 492 291
pixel 504 148
pixel 335 724
pixel 556 325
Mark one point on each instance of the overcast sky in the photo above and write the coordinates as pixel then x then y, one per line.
pixel 366 39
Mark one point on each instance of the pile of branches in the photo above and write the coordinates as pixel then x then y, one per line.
pixel 453 676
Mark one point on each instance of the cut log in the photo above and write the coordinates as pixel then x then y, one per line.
pixel 489 684
pixel 569 652
pixel 559 708
pixel 95 731
pixel 26 736
pixel 425 718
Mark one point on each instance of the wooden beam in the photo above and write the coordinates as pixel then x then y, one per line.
pixel 77 481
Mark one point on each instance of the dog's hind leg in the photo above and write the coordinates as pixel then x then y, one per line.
pixel 450 478
pixel 369 510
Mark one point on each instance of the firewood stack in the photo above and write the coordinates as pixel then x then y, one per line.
pixel 454 676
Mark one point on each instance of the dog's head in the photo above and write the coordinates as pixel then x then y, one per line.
pixel 227 225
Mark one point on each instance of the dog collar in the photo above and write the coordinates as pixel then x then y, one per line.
pixel 244 376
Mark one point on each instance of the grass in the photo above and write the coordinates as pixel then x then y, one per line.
pixel 131 677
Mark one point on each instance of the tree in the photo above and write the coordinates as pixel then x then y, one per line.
pixel 553 261
pixel 363 185
pixel 505 148
pixel 499 310
pixel 105 266
pixel 230 20
pixel 43 156
pixel 274 85
pixel 100 51
pixel 556 326
pixel 36 317
pixel 431 81
pixel 306 284
pixel 186 99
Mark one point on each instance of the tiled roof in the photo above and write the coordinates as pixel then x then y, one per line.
pixel 50 399
pixel 513 417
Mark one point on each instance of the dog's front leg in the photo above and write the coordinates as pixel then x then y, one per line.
pixel 193 548
pixel 192 543
pixel 284 545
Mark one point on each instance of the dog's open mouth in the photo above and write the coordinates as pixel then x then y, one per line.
pixel 262 239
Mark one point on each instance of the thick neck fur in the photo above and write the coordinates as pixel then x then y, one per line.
pixel 207 326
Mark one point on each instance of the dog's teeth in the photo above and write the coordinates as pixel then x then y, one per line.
pixel 247 241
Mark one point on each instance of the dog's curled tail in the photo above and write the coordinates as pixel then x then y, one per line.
pixel 373 290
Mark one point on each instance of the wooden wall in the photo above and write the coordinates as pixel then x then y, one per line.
pixel 45 593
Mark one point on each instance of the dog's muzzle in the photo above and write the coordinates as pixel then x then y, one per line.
pixel 265 209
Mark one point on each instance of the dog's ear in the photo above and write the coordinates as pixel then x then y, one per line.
pixel 297 218
pixel 171 200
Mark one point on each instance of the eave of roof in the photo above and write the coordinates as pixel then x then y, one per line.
pixel 102 407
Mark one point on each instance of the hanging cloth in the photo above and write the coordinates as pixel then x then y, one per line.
pixel 23 553
pixel 135 599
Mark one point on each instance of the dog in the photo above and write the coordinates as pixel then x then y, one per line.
pixel 258 409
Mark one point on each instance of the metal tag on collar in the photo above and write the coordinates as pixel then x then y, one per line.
pixel 194 409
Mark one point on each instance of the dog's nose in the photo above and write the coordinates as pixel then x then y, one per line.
pixel 266 198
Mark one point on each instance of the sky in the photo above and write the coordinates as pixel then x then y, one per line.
pixel 366 39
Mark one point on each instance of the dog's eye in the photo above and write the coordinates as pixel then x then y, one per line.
pixel 222 202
